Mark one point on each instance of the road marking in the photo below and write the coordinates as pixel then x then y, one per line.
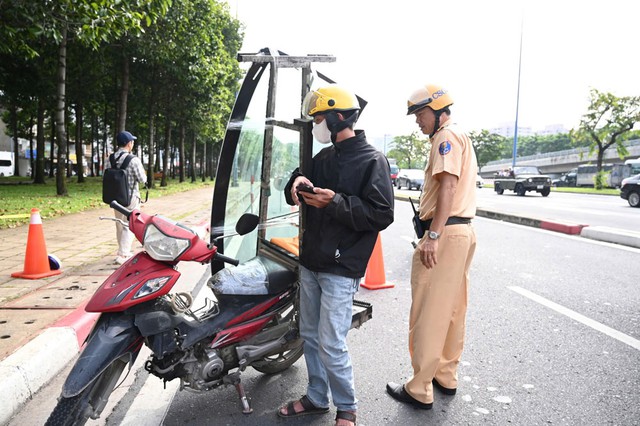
pixel 634 343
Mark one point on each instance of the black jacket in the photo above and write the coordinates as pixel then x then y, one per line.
pixel 340 237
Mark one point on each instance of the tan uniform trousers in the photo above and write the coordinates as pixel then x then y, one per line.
pixel 438 311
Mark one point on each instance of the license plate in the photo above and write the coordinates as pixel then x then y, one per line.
pixel 540 186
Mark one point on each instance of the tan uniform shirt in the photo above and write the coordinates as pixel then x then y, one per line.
pixel 451 152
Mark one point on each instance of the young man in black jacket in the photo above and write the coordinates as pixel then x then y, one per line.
pixel 349 200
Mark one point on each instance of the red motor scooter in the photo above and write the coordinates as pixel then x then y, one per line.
pixel 253 321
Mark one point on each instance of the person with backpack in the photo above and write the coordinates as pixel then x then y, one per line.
pixel 134 172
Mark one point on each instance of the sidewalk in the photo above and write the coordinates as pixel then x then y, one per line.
pixel 42 322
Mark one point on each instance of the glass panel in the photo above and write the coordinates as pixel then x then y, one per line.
pixel 244 186
pixel 282 219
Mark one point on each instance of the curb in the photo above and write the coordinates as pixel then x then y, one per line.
pixel 32 366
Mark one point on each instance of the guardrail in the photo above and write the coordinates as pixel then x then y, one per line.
pixel 561 161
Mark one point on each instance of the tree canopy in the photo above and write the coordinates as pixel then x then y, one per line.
pixel 76 64
pixel 608 119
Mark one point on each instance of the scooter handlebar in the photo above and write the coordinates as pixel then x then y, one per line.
pixel 226 259
pixel 119 207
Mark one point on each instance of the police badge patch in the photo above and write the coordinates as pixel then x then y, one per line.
pixel 444 148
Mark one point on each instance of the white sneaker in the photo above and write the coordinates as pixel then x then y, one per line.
pixel 121 259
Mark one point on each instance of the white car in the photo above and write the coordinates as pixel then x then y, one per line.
pixel 479 181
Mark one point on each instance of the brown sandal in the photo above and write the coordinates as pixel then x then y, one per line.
pixel 346 415
pixel 308 408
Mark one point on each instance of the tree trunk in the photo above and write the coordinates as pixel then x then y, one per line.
pixel 183 157
pixel 31 159
pixel 39 174
pixel 124 93
pixel 152 132
pixel 53 142
pixel 94 142
pixel 165 156
pixel 193 160
pixel 79 145
pixel 16 145
pixel 203 172
pixel 61 187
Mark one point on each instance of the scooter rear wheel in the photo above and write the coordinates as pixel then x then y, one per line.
pixel 279 362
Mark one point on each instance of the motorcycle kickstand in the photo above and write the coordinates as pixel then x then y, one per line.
pixel 234 379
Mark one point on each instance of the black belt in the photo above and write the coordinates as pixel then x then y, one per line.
pixel 453 220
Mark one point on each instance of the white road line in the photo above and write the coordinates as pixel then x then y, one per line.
pixel 634 343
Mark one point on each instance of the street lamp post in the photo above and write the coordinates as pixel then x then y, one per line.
pixel 515 133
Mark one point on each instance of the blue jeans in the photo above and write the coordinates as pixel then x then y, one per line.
pixel 325 320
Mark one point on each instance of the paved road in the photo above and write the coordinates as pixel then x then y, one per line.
pixel 552 339
pixel 589 209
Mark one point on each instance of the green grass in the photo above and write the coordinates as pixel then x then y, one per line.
pixel 18 196
pixel 582 190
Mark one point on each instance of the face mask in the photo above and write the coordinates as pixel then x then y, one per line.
pixel 321 132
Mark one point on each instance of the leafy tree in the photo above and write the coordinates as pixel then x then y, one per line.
pixel 90 23
pixel 488 146
pixel 411 152
pixel 609 117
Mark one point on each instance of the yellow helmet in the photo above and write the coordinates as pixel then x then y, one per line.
pixel 435 97
pixel 329 98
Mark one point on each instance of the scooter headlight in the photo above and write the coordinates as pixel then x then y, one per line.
pixel 162 247
pixel 151 286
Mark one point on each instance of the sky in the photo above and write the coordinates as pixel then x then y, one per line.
pixel 385 50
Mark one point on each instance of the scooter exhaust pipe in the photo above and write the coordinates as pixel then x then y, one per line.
pixel 250 353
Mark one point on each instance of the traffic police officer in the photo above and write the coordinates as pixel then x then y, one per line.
pixel 441 261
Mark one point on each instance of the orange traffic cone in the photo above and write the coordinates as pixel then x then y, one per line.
pixel 374 278
pixel 36 260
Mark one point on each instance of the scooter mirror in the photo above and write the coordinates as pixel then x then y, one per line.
pixel 247 223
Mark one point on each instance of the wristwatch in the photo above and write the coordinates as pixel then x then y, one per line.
pixel 433 235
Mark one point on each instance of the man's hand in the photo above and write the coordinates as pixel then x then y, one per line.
pixel 320 198
pixel 300 180
pixel 428 249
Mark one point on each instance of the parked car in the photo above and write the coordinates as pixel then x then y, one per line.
pixel 479 181
pixel 411 178
pixel 630 190
pixel 522 179
pixel 567 179
pixel 394 173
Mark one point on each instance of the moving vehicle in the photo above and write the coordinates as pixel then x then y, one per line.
pixel 6 163
pixel 633 166
pixel 394 173
pixel 479 181
pixel 522 179
pixel 630 190
pixel 250 315
pixel 411 178
pixel 614 174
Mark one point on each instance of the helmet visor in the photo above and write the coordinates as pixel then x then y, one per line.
pixel 310 104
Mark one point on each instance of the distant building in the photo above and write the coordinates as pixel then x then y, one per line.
pixel 552 129
pixel 507 130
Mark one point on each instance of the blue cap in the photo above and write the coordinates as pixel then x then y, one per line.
pixel 124 138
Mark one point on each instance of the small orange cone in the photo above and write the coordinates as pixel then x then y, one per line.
pixel 36 260
pixel 374 277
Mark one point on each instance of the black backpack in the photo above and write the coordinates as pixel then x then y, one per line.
pixel 115 185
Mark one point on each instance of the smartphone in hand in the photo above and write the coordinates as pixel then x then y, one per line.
pixel 303 187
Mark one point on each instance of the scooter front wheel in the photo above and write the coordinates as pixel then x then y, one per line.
pixel 90 402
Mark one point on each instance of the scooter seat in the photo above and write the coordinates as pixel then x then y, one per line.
pixel 258 276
